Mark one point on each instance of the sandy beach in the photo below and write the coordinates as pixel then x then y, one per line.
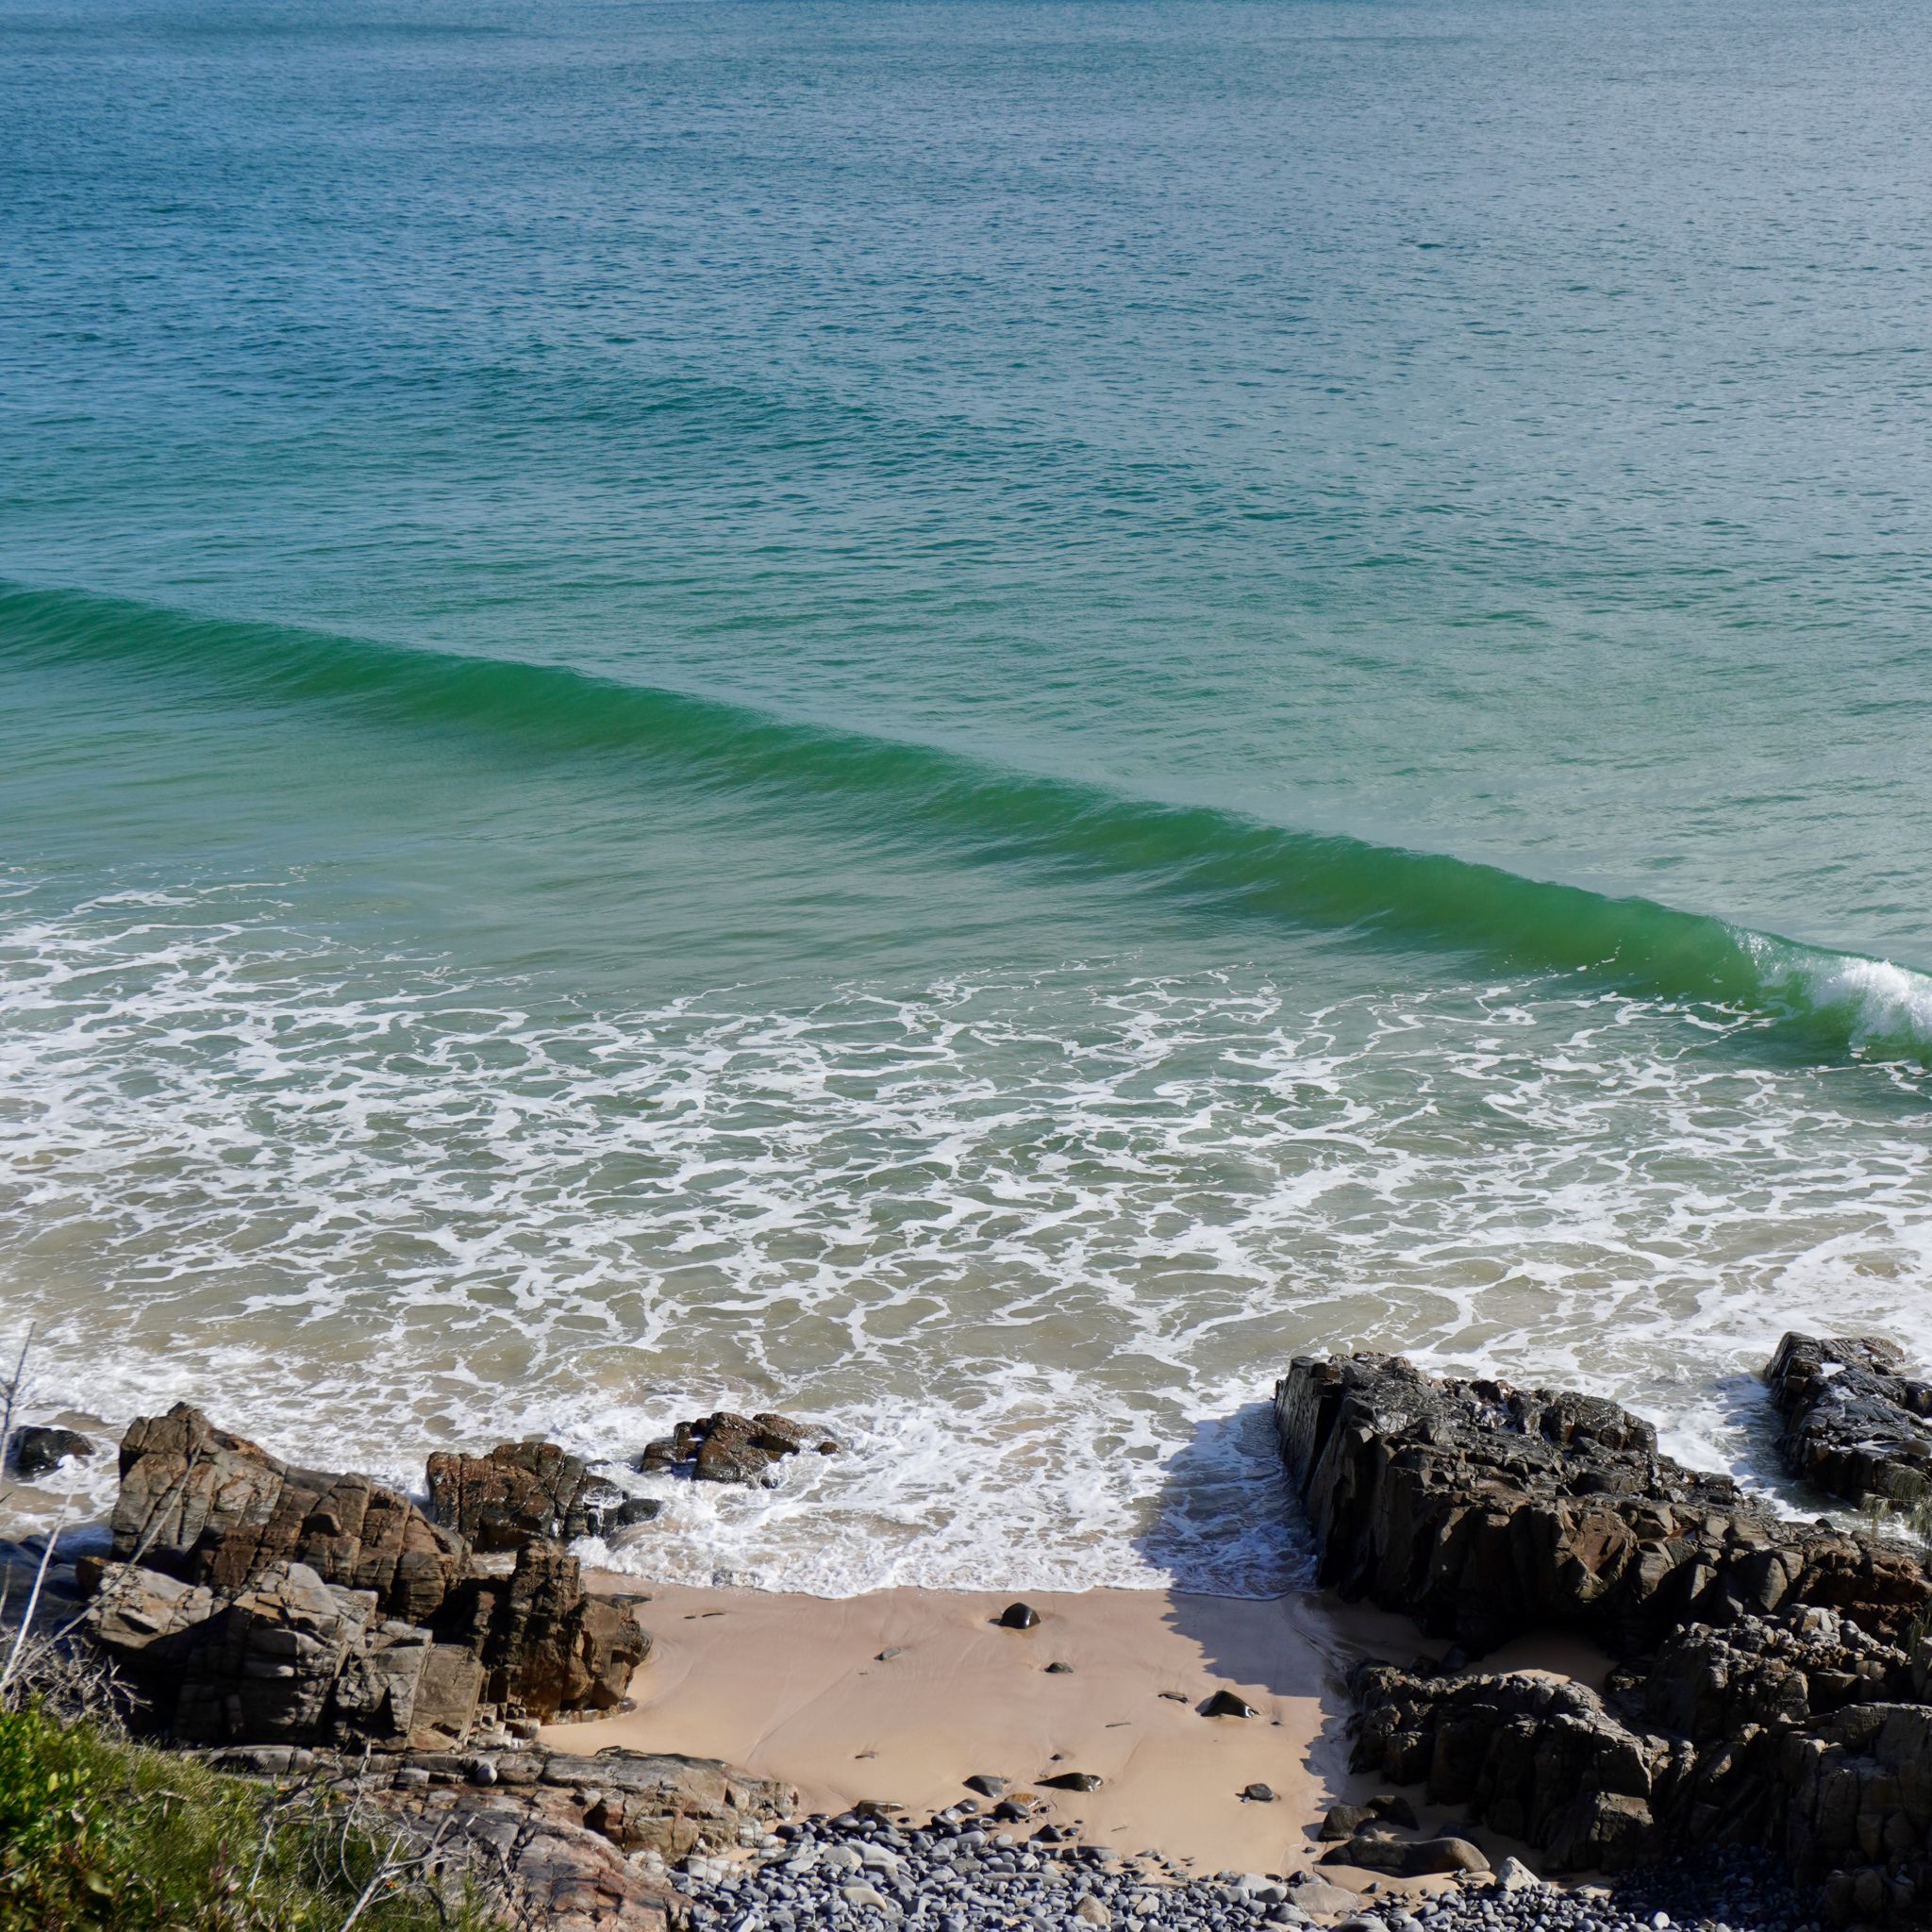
pixel 898 1696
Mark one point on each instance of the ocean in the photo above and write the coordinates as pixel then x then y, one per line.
pixel 964 718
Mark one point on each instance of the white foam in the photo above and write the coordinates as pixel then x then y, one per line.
pixel 1036 1248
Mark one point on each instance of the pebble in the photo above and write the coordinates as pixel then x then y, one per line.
pixel 867 1874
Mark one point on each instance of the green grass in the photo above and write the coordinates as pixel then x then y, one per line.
pixel 94 1833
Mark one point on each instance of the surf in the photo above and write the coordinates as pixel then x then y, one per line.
pixel 1221 862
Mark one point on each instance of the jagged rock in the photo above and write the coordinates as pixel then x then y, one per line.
pixel 1485 1512
pixel 216 1509
pixel 527 1491
pixel 727 1448
pixel 1774 1691
pixel 370 1624
pixel 544 1643
pixel 36 1448
pixel 1852 1421
pixel 1709 1684
pixel 289 1659
pixel 1517 1750
pixel 1857 1800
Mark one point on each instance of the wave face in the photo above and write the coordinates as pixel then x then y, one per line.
pixel 965 811
pixel 967 718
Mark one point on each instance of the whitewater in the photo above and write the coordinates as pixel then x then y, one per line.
pixel 965 719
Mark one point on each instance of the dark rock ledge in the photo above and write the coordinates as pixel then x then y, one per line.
pixel 296 1622
pixel 1774 1683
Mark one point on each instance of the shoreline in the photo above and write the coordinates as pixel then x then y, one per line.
pixel 896 1697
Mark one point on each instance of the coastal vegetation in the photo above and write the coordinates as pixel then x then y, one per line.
pixel 98 1831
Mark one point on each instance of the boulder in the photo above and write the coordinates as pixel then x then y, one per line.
pixel 1773 1687
pixel 1397 1857
pixel 729 1448
pixel 370 1622
pixel 1517 1750
pixel 545 1644
pixel 36 1448
pixel 289 1659
pixel 527 1491
pixel 216 1509
pixel 1853 1419
pixel 673 1805
pixel 1486 1511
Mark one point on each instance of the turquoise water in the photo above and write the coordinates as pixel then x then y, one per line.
pixel 967 717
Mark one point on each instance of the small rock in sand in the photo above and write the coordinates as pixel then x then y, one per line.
pixel 1344 1822
pixel 987 1785
pixel 1225 1704
pixel 1060 1669
pixel 1259 1794
pixel 1072 1781
pixel 1018 1617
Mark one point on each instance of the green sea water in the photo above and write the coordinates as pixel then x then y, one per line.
pixel 965 717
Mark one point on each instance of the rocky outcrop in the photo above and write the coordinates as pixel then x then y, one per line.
pixel 1774 1675
pixel 570 1843
pixel 528 1492
pixel 1486 1511
pixel 215 1508
pixel 36 1448
pixel 544 1643
pixel 1852 1421
pixel 726 1448
pixel 249 1600
pixel 287 1658
pixel 1534 1757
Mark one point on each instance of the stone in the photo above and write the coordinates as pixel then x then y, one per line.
pixel 987 1785
pixel 1487 1512
pixel 724 1447
pixel 388 1635
pixel 1072 1781
pixel 1397 1857
pixel 288 1658
pixel 1089 1911
pixel 1259 1794
pixel 1017 1616
pixel 1060 1669
pixel 1316 1895
pixel 664 1803
pixel 1225 1704
pixel 1344 1822
pixel 545 1644
pixel 215 1508
pixel 1853 1419
pixel 36 1448
pixel 527 1491
pixel 1512 1874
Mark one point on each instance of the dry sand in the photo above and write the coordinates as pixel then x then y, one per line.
pixel 796 1687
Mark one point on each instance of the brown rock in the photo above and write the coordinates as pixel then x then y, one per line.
pixel 526 1491
pixel 726 1447
pixel 546 1645
pixel 216 1509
